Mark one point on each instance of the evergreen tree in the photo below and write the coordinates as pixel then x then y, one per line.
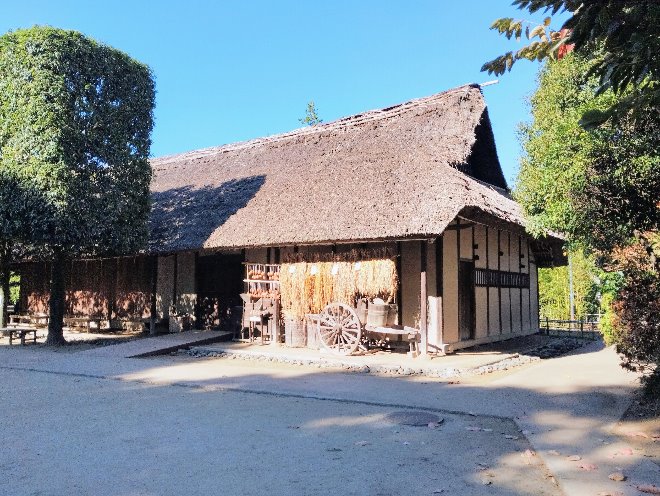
pixel 75 124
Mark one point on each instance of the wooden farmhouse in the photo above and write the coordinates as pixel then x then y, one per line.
pixel 419 181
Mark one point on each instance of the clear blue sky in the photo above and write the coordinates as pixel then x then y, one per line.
pixel 230 71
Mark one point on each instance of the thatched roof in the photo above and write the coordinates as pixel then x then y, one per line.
pixel 401 172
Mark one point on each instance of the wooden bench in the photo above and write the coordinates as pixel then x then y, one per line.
pixel 35 319
pixel 21 332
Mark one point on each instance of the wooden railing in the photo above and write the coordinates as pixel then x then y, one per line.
pixel 573 328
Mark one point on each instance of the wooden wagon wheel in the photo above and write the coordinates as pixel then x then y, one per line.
pixel 339 329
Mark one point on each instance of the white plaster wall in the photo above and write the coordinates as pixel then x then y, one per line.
pixel 480 250
pixel 494 311
pixel 516 325
pixel 514 293
pixel 516 308
pixel 493 293
pixel 481 292
pixel 526 306
pixel 526 311
pixel 505 296
pixel 481 307
pixel 534 297
pixel 434 303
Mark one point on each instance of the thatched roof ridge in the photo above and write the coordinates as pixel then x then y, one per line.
pixel 401 172
pixel 342 123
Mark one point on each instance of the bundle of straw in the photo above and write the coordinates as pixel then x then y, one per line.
pixel 309 287
pixel 294 300
pixel 377 279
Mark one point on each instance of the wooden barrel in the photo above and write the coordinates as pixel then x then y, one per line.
pixel 377 314
pixel 295 333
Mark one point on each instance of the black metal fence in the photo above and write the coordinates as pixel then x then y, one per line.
pixel 583 328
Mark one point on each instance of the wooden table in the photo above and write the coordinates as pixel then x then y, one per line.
pixel 39 320
pixel 19 332
pixel 413 335
pixel 83 322
pixel 16 319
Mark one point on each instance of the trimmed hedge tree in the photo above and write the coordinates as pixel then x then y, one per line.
pixel 75 124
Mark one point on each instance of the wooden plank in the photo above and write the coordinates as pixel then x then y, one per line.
pixel 399 289
pixel 423 298
pixel 175 281
pixel 499 267
pixel 487 290
pixel 153 296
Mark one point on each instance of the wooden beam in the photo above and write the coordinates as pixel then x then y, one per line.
pixel 459 225
pixel 510 270
pixel 439 282
pixel 154 288
pixel 439 287
pixel 458 282
pixel 529 287
pixel 487 289
pixel 499 267
pixel 112 297
pixel 196 308
pixel 520 291
pixel 399 289
pixel 423 299
pixel 175 281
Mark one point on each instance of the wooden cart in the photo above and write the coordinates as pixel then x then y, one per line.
pixel 342 332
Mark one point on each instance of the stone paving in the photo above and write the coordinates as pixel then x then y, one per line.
pixel 472 361
pixel 158 345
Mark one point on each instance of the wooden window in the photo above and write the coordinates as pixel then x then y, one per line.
pixel 500 279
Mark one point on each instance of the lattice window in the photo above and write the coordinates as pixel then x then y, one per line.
pixel 500 279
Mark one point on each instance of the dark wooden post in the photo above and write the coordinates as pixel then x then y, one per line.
pixel 5 274
pixel 439 288
pixel 399 289
pixel 175 282
pixel 423 299
pixel 154 288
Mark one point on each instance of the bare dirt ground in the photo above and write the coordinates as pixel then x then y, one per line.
pixel 80 341
pixel 116 438
pixel 94 422
pixel 640 426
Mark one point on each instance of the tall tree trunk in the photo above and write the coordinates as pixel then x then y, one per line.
pixel 5 273
pixel 56 302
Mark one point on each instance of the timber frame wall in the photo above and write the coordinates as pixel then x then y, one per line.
pixel 506 290
pixel 505 286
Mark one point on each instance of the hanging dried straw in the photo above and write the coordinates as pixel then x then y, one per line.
pixel 309 287
pixel 295 303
